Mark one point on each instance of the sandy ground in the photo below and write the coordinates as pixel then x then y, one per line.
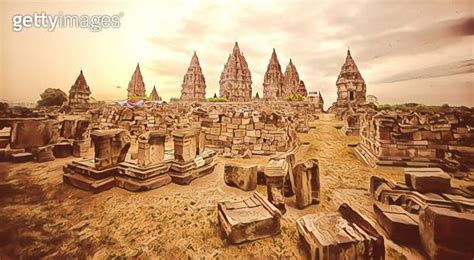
pixel 42 217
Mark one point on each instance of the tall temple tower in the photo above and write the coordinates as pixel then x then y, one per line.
pixel 292 80
pixel 154 95
pixel 79 94
pixel 236 80
pixel 194 83
pixel 351 89
pixel 273 79
pixel 136 86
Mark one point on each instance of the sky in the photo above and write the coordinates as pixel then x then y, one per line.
pixel 400 46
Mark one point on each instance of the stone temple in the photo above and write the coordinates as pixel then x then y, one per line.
pixel 292 80
pixel 194 83
pixel 79 94
pixel 236 80
pixel 136 86
pixel 154 95
pixel 351 89
pixel 273 79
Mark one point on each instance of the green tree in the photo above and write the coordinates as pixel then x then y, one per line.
pixel 52 97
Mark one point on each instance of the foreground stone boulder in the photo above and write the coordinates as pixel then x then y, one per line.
pixel 400 225
pixel 447 234
pixel 249 219
pixel 241 176
pixel 275 175
pixel 306 178
pixel 344 234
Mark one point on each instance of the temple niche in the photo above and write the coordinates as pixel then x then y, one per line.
pixel 79 94
pixel 301 90
pixel 194 83
pixel 154 95
pixel 136 86
pixel 273 79
pixel 236 80
pixel 351 89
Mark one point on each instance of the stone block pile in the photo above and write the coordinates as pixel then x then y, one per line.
pixel 434 139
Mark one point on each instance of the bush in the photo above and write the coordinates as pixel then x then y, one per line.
pixel 52 97
pixel 217 99
pixel 295 97
pixel 3 106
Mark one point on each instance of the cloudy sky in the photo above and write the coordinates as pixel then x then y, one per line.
pixel 407 51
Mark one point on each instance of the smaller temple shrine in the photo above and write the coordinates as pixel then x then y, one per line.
pixel 136 86
pixel 79 94
pixel 154 95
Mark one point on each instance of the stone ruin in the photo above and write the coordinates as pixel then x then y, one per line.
pixel 344 234
pixel 152 167
pixel 426 210
pixel 431 139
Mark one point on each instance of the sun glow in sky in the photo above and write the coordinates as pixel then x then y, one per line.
pixel 388 39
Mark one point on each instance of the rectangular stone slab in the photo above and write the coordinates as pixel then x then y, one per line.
pixel 400 225
pixel 249 219
pixel 427 180
pixel 343 234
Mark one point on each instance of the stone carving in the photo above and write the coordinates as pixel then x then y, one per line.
pixel 194 83
pixel 236 80
pixel 136 86
pixel 249 219
pixel 151 148
pixel 184 145
pixel 79 94
pixel 275 175
pixel 428 180
pixel 306 178
pixel 110 147
pixel 344 234
pixel 273 79
pixel 241 176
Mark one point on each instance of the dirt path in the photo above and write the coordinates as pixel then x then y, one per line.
pixel 40 216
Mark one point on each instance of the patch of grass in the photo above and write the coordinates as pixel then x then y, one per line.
pixel 217 99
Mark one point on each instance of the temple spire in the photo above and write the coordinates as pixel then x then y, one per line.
pixel 194 83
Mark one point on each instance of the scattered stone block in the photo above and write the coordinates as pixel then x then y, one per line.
pixel 62 150
pixel 241 176
pixel 446 233
pixel 21 157
pixel 400 225
pixel 45 153
pixel 344 234
pixel 80 148
pixel 249 219
pixel 33 133
pixel 427 180
pixel 275 175
pixel 306 178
